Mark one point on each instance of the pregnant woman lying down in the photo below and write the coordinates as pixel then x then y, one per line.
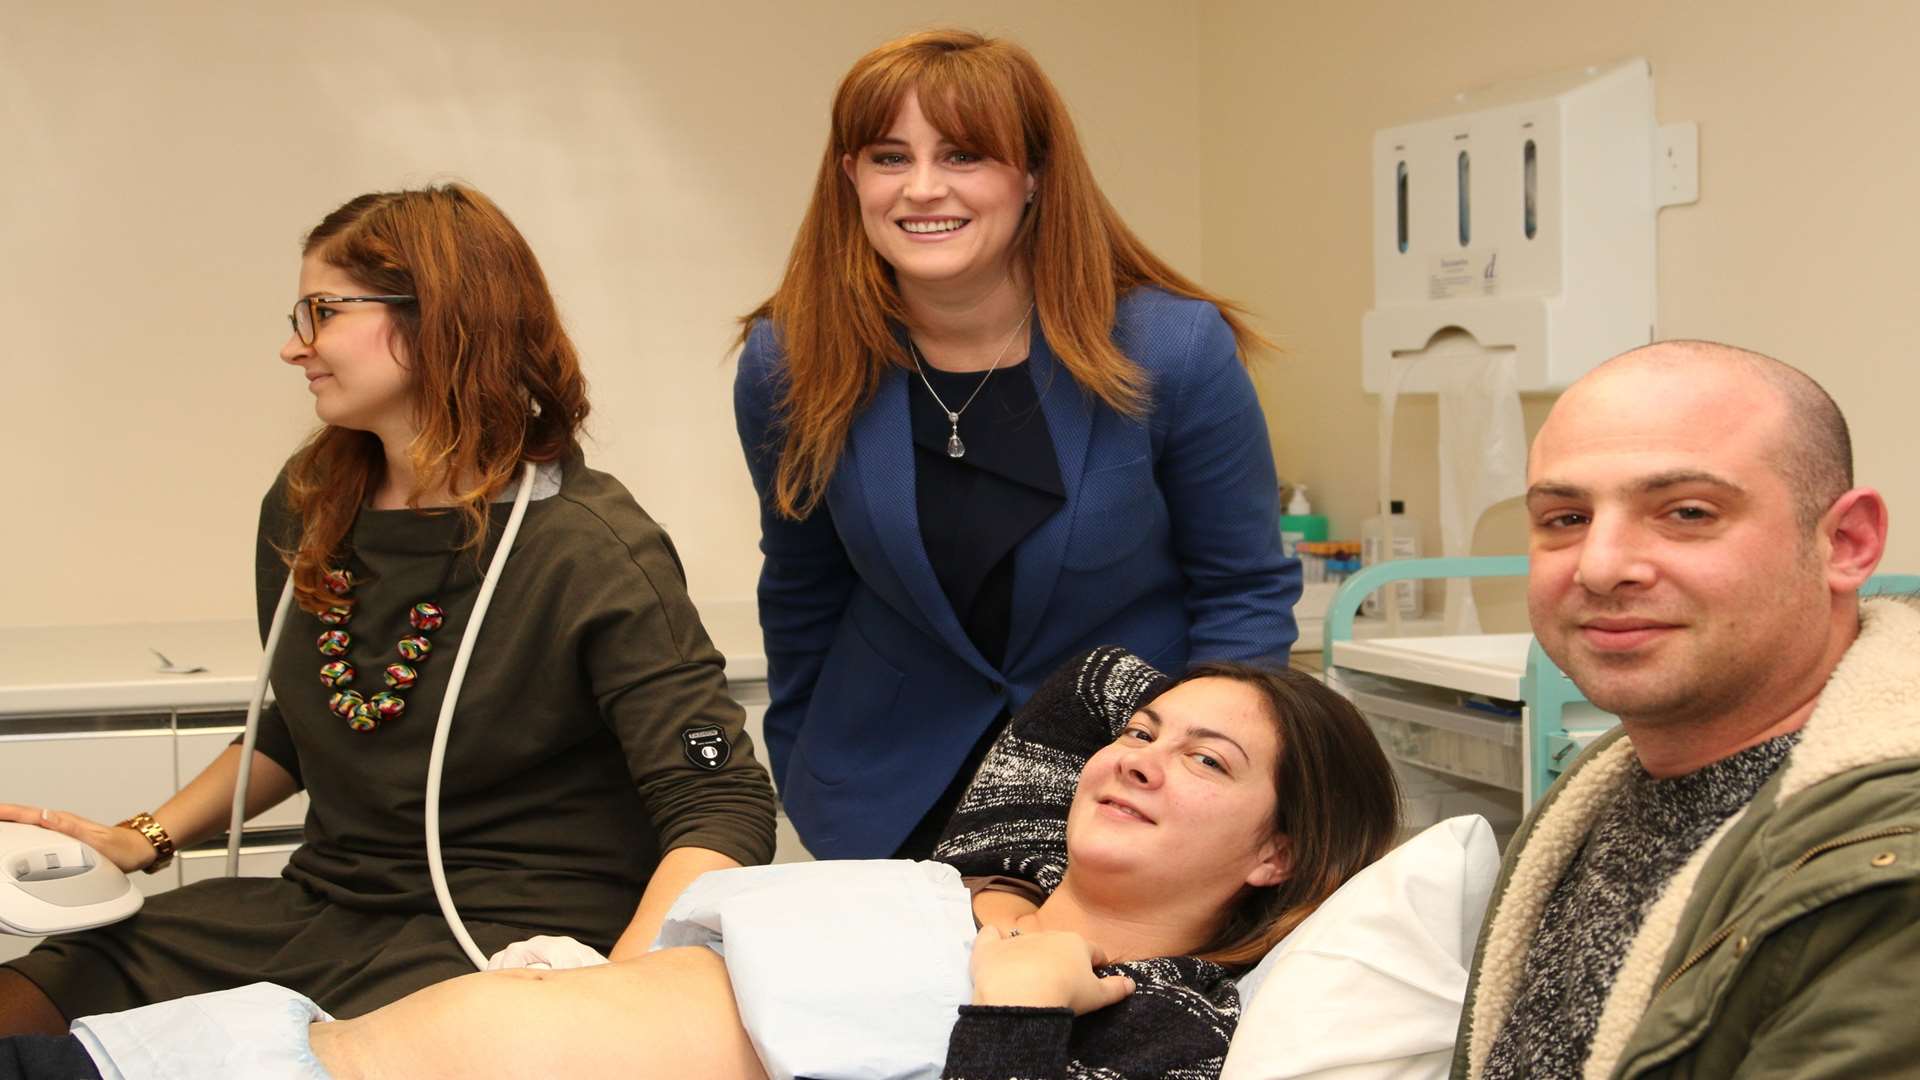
pixel 1128 847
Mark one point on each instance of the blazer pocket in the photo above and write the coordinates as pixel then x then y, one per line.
pixel 851 715
pixel 1116 510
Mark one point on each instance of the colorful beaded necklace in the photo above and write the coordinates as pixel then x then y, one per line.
pixel 367 713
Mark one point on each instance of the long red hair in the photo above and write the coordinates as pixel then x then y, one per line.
pixel 834 310
pixel 495 380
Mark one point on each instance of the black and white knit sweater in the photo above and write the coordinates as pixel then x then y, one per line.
pixel 1013 821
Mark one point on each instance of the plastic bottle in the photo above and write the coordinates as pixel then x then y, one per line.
pixel 1313 563
pixel 1300 524
pixel 1399 534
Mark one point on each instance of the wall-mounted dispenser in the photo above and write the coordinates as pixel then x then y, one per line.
pixel 1525 219
pixel 1513 251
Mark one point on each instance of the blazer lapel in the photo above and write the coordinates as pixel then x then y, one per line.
pixel 1036 563
pixel 881 440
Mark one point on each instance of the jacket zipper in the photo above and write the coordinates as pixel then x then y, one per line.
pixel 1809 855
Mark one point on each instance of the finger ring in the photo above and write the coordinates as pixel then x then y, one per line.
pixel 43 814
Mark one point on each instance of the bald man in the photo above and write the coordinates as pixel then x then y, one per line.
pixel 1728 884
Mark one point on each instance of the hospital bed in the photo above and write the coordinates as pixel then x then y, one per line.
pixel 1399 936
pixel 1397 940
pixel 1394 941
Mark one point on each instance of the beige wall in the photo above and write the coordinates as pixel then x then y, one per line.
pixel 159 170
pixel 1801 246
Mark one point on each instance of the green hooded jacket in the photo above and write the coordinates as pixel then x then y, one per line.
pixel 1789 944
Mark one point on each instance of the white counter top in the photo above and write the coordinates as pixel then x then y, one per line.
pixel 67 669
pixel 1489 664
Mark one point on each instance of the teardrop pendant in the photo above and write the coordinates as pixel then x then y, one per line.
pixel 956 448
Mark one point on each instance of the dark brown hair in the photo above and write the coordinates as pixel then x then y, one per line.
pixel 1335 801
pixel 495 380
pixel 834 310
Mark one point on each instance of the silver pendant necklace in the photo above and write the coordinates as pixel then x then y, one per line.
pixel 956 448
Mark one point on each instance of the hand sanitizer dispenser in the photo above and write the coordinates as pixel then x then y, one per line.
pixel 1524 219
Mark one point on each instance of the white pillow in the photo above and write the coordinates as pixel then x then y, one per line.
pixel 1371 984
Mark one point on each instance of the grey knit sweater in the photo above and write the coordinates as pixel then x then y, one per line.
pixel 1645 834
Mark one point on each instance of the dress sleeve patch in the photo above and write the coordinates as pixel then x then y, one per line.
pixel 706 746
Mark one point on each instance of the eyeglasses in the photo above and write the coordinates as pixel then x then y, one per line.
pixel 306 310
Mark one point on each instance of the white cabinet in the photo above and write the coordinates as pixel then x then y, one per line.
pixel 752 697
pixel 256 860
pixel 110 766
pixel 1450 758
pixel 102 767
pixel 195 746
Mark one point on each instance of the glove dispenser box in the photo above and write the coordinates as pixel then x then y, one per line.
pixel 1525 219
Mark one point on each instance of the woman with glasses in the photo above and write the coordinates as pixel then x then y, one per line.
pixel 597 764
pixel 989 430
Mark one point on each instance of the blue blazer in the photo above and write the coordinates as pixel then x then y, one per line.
pixel 1168 545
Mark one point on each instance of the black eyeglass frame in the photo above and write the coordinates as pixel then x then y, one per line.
pixel 312 304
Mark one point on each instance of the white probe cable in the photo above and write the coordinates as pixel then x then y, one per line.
pixel 239 815
pixel 437 758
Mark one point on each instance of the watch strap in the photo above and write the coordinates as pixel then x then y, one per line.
pixel 156 835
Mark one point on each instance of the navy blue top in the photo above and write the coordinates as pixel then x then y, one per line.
pixel 975 509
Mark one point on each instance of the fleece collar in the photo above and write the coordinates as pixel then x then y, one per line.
pixel 1868 712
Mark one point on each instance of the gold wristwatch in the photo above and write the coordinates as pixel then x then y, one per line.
pixel 156 835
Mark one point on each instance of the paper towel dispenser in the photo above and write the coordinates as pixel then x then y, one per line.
pixel 1525 218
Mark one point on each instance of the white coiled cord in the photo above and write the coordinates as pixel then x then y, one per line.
pixel 436 759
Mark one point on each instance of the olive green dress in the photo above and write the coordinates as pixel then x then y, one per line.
pixel 593 734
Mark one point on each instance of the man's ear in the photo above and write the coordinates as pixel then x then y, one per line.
pixel 1854 529
pixel 1276 862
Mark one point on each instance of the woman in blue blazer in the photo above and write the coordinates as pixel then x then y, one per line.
pixel 990 430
